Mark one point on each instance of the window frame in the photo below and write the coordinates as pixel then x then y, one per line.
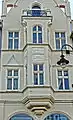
pixel 13 79
pixel 38 72
pixel 37 32
pixel 60 39
pixel 13 40
pixel 63 77
pixel 37 10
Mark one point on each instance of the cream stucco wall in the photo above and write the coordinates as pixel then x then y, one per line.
pixel 36 101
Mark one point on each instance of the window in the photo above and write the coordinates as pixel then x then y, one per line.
pixel 21 116
pixel 60 40
pixel 37 34
pixel 12 79
pixel 63 79
pixel 56 116
pixel 38 74
pixel 36 11
pixel 13 40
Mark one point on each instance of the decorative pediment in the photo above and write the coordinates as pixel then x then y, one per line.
pixel 12 61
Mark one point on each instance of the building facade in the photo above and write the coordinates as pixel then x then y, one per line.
pixel 32 85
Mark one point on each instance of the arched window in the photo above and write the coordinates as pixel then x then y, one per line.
pixel 36 11
pixel 21 117
pixel 56 117
pixel 37 34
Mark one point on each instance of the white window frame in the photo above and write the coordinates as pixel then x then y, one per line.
pixel 63 79
pixel 38 74
pixel 13 79
pixel 60 38
pixel 13 40
pixel 37 33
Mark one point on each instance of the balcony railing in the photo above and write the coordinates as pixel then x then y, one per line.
pixel 36 13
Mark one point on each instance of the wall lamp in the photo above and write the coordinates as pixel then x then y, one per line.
pixel 63 61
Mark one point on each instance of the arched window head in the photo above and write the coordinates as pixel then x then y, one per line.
pixel 37 34
pixel 36 7
pixel 36 10
pixel 56 116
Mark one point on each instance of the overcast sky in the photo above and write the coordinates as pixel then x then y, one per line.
pixel 71 5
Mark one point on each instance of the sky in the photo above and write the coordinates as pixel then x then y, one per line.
pixel 71 5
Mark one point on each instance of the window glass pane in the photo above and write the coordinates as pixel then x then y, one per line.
pixel 57 35
pixel 15 83
pixel 63 42
pixel 56 117
pixel 59 73
pixel 48 117
pixel 62 117
pixel 35 67
pixel 65 73
pixel 35 79
pixel 41 67
pixel 41 78
pixel 21 117
pixel 16 34
pixel 9 72
pixel 39 28
pixel 10 34
pixel 10 43
pixel 57 44
pixel 15 72
pixel 39 37
pixel 34 28
pixel 66 82
pixel 36 13
pixel 62 35
pixel 9 83
pixel 34 38
pixel 16 43
pixel 60 83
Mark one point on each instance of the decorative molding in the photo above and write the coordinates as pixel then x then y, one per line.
pixel 12 61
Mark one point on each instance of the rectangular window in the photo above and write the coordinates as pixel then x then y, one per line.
pixel 60 40
pixel 37 34
pixel 13 40
pixel 38 73
pixel 63 79
pixel 12 79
